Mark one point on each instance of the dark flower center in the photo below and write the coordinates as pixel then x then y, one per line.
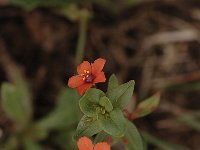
pixel 89 78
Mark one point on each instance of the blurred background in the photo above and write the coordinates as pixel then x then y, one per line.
pixel 154 42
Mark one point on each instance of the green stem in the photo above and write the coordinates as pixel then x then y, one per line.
pixel 84 16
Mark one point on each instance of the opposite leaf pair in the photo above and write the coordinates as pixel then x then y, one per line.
pixel 103 111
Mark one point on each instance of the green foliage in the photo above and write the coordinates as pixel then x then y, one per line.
pixel 161 143
pixel 147 106
pixel 191 86
pixel 112 83
pixel 121 95
pixel 14 102
pixel 72 12
pixel 15 105
pixel 114 124
pixel 98 109
pixel 133 136
pixel 12 143
pixel 89 102
pixel 29 144
pixel 108 4
pixel 191 120
pixel 65 114
pixel 101 137
pixel 103 116
pixel 88 126
pixel 31 4
pixel 105 102
pixel 105 110
pixel 64 139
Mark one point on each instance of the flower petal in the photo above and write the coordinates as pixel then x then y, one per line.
pixel 84 143
pixel 102 146
pixel 100 78
pixel 85 65
pixel 98 65
pixel 83 88
pixel 75 81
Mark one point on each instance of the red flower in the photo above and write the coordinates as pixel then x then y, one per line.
pixel 85 143
pixel 88 75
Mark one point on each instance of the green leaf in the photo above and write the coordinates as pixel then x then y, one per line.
pixel 161 143
pixel 15 105
pixel 31 4
pixel 145 145
pixel 63 139
pixel 105 102
pixel 88 127
pixel 121 94
pixel 36 133
pixel 133 136
pixel 100 137
pixel 11 143
pixel 147 106
pixel 65 114
pixel 89 102
pixel 17 78
pixel 114 123
pixel 73 12
pixel 191 120
pixel 112 83
pixel 31 145
pixel 189 86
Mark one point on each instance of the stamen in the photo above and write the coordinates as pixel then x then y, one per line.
pixel 86 71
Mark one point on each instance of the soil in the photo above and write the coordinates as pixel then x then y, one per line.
pixel 155 43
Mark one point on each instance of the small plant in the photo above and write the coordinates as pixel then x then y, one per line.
pixel 105 117
pixel 104 112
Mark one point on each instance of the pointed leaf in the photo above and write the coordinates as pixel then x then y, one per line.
pixel 14 104
pixel 16 76
pixel 121 95
pixel 89 102
pixel 105 102
pixel 112 83
pixel 88 127
pixel 133 136
pixel 100 137
pixel 114 124
pixel 147 106
pixel 65 114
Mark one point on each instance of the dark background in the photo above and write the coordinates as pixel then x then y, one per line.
pixel 156 43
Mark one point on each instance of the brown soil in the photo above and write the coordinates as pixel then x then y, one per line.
pixel 155 43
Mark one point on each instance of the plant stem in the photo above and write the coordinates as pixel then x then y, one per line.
pixel 84 16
